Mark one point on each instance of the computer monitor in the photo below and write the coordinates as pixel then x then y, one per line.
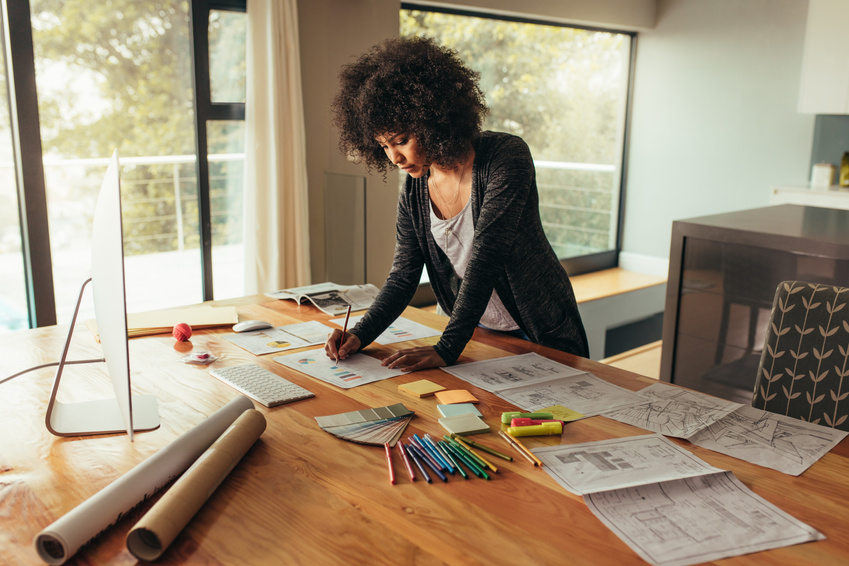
pixel 124 412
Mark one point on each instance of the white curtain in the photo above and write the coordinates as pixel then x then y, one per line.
pixel 276 206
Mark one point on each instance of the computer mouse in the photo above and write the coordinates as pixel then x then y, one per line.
pixel 248 325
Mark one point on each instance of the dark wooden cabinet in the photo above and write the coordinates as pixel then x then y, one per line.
pixel 723 272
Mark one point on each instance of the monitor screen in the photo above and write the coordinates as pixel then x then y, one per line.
pixel 130 413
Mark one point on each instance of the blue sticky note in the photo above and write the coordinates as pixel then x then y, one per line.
pixel 458 409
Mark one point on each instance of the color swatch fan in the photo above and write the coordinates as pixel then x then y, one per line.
pixel 370 426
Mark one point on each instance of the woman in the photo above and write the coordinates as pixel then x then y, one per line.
pixel 469 210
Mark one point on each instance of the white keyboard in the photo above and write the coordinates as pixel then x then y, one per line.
pixel 258 383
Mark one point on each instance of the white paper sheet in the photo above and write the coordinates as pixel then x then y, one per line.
pixel 280 338
pixel 532 382
pixel 672 411
pixel 775 441
pixel 357 369
pixel 620 462
pixel 694 520
pixel 401 330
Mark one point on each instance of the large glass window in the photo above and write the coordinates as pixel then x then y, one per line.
pixel 564 90
pixel 13 299
pixel 121 75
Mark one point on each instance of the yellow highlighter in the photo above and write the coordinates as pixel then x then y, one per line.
pixel 544 429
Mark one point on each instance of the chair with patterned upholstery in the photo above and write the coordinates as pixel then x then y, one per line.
pixel 804 368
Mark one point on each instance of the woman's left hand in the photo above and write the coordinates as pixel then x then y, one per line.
pixel 413 359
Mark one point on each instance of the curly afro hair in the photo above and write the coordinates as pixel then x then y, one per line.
pixel 412 86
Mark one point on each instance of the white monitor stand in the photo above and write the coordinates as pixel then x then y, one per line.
pixel 123 412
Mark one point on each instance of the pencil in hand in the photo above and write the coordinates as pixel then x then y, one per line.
pixel 344 331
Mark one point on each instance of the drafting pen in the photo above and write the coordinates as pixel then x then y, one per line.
pixel 438 452
pixel 433 467
pixel 477 456
pixel 513 443
pixel 406 461
pixel 389 463
pixel 447 451
pixel 409 450
pixel 344 330
pixel 480 446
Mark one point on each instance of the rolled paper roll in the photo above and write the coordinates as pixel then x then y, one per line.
pixel 152 535
pixel 62 539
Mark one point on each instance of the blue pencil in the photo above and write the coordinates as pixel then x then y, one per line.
pixel 438 451
pixel 416 461
pixel 428 462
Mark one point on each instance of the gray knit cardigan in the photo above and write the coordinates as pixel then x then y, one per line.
pixel 510 253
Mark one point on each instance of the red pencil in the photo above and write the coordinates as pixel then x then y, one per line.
pixel 406 461
pixel 389 462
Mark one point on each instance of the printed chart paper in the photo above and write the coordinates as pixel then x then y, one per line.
pixel 621 462
pixel 401 330
pixel 695 520
pixel 280 338
pixel 357 369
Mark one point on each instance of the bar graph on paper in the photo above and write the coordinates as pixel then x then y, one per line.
pixel 357 369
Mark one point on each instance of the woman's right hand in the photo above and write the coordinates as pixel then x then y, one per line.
pixel 337 351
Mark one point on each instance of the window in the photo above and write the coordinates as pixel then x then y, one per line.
pixel 121 75
pixel 13 298
pixel 564 90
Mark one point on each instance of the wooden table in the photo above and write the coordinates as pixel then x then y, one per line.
pixel 302 496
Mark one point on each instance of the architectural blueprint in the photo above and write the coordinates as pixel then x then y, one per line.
pixel 697 519
pixel 775 441
pixel 501 373
pixel 531 381
pixel 672 411
pixel 620 462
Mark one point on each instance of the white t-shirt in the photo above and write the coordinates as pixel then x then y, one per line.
pixel 454 236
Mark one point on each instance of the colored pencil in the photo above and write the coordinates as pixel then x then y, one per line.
pixel 432 466
pixel 447 450
pixel 406 461
pixel 480 446
pixel 418 464
pixel 389 463
pixel 513 443
pixel 477 456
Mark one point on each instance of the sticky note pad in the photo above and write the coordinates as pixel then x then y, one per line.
pixel 466 423
pixel 453 396
pixel 562 413
pixel 458 409
pixel 420 388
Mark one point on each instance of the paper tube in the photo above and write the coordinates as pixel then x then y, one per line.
pixel 152 535
pixel 61 540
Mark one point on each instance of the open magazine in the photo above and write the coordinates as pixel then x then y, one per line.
pixel 331 298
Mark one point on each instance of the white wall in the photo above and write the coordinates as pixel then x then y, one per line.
pixel 714 121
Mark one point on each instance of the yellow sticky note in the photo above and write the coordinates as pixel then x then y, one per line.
pixel 455 396
pixel 420 388
pixel 562 413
